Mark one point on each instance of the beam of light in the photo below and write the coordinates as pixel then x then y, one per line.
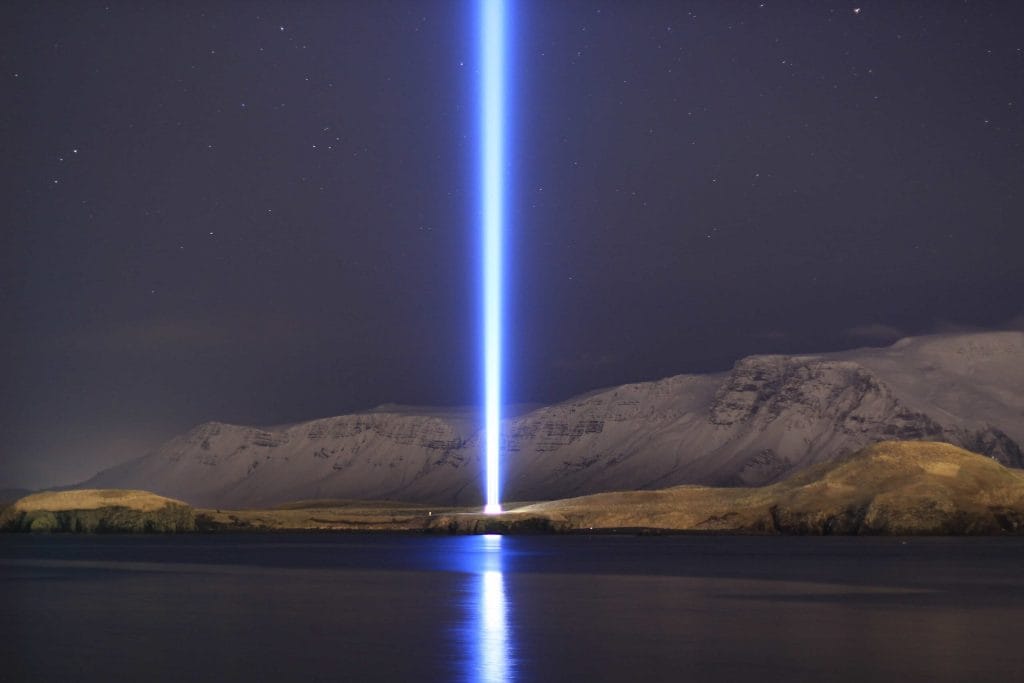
pixel 492 163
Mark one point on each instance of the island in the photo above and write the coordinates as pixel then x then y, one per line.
pixel 889 488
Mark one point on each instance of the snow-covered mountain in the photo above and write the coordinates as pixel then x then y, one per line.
pixel 767 417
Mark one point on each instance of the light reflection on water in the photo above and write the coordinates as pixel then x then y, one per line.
pixel 492 662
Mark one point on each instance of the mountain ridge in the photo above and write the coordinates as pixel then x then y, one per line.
pixel 767 417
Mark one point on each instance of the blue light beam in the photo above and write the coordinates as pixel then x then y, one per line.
pixel 492 164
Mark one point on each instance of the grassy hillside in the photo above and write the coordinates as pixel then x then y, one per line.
pixel 893 487
pixel 98 510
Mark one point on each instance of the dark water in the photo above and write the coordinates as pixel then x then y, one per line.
pixel 394 608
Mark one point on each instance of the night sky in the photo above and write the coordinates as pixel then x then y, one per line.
pixel 265 212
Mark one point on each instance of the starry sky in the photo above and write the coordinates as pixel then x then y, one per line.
pixel 264 212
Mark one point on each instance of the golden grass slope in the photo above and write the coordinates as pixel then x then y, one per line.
pixel 893 487
pixel 92 499
pixel 98 510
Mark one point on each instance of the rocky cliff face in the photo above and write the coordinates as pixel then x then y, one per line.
pixel 766 418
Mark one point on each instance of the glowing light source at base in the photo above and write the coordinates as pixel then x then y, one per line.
pixel 492 164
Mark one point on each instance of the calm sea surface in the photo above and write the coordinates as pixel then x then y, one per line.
pixel 481 608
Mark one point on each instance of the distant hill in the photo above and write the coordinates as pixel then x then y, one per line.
pixel 767 418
